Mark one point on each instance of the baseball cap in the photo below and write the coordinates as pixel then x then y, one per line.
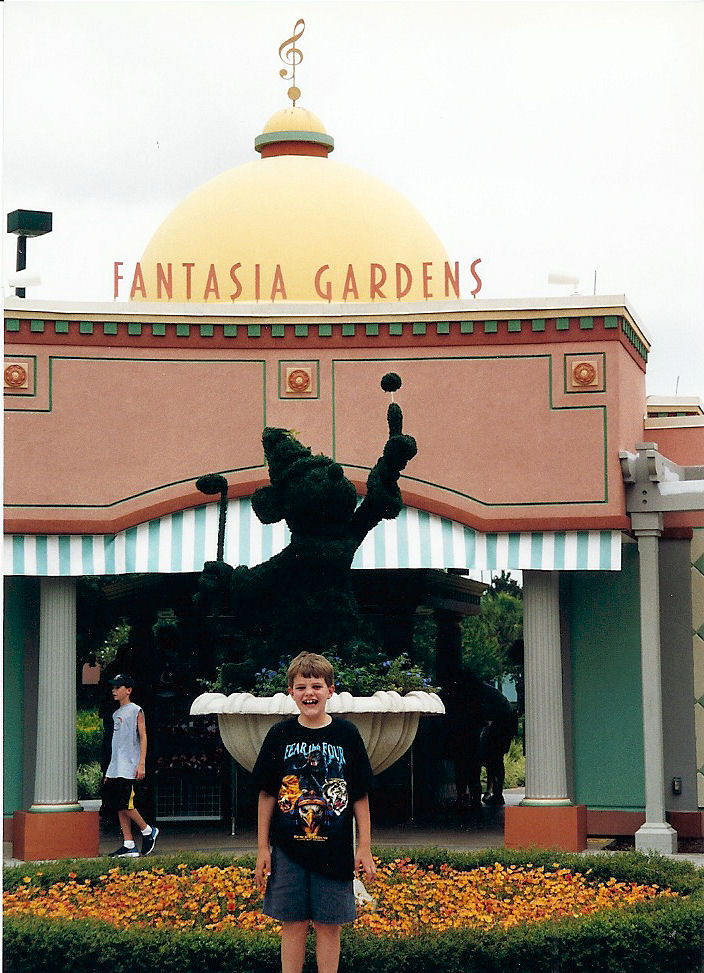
pixel 122 679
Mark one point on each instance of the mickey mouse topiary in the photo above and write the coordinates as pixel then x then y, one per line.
pixel 302 598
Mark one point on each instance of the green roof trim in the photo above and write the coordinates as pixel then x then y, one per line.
pixel 207 330
pixel 371 329
pixel 538 324
pixel 61 327
pixel 254 330
pixel 466 327
pixel 158 329
pixel 109 327
pixel 12 324
pixel 348 330
pixel 134 328
pixel 562 324
pixel 443 327
pixel 37 327
pixel 183 330
pixel 396 328
pixel 514 326
pixel 301 330
pixel 491 327
pixel 230 330
pixel 278 330
pixel 272 138
pixel 324 330
pixel 85 327
pixel 419 327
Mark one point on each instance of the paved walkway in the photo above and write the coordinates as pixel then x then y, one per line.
pixel 457 835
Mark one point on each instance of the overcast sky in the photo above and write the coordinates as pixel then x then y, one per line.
pixel 538 136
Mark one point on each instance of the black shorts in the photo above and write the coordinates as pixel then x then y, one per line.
pixel 294 894
pixel 121 793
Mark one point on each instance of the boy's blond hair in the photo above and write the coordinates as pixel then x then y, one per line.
pixel 310 665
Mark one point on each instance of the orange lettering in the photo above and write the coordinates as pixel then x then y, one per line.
pixel 116 276
pixel 278 284
pixel 166 280
pixel 376 283
pixel 476 277
pixel 427 277
pixel 233 274
pixel 138 283
pixel 350 284
pixel 454 281
pixel 402 291
pixel 211 285
pixel 188 268
pixel 327 295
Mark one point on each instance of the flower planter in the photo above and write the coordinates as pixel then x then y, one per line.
pixel 386 721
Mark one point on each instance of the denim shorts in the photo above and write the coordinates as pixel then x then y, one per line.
pixel 294 894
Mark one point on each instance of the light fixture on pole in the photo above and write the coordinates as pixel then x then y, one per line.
pixel 26 223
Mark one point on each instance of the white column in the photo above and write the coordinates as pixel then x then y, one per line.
pixel 546 772
pixel 55 779
pixel 656 834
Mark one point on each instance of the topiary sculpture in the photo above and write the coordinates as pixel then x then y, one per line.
pixel 302 597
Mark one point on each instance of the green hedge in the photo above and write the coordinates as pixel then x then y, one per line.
pixel 661 937
pixel 89 736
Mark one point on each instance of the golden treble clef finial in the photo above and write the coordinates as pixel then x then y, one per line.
pixel 292 56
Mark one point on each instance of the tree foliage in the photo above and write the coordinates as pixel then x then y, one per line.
pixel 487 637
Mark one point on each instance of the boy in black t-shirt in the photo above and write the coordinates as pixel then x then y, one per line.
pixel 313 775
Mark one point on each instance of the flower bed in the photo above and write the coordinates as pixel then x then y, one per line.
pixel 483 912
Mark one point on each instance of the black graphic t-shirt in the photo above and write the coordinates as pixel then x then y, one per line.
pixel 316 775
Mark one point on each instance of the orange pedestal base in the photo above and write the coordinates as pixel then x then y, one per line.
pixel 564 828
pixel 60 834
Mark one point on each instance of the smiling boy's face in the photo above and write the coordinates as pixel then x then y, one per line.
pixel 310 694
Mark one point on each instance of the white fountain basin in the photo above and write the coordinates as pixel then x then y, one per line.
pixel 387 721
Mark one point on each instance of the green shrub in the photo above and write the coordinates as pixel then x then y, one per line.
pixel 89 778
pixel 664 936
pixel 89 736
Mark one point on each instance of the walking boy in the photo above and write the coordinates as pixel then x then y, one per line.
pixel 126 767
pixel 313 775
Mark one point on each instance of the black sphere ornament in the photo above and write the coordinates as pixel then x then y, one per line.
pixel 391 382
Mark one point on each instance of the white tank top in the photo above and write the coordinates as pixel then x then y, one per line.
pixel 125 742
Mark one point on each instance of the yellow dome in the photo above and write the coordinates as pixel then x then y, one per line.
pixel 294 119
pixel 297 228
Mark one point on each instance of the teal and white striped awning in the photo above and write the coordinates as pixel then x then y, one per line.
pixel 183 541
